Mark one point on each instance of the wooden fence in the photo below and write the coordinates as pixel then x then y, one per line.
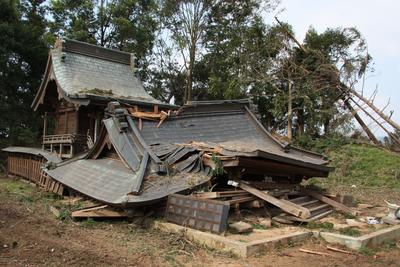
pixel 30 166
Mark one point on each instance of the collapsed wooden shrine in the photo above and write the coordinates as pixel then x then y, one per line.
pixel 106 138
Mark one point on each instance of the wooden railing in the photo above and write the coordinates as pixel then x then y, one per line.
pixel 65 145
pixel 65 139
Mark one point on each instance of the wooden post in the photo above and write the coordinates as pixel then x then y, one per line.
pixel 76 121
pixel 45 124
pixel 66 122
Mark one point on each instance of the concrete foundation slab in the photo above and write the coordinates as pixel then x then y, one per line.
pixel 248 247
pixel 369 240
pixel 240 248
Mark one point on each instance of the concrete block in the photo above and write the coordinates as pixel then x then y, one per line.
pixel 241 227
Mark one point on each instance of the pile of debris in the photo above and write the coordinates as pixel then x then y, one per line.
pixel 281 203
pixel 216 155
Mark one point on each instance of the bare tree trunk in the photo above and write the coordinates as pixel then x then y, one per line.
pixel 366 101
pixel 300 122
pixel 290 113
pixel 391 135
pixel 363 125
pixel 190 73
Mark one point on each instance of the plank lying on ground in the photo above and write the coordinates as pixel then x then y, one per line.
pixel 339 250
pixel 286 206
pixel 314 252
pixel 102 211
pixel 336 205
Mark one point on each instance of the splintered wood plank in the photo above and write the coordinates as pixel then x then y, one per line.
pixel 285 205
pixel 336 205
pixel 103 211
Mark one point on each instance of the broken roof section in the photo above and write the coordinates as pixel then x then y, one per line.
pixel 137 162
pixel 231 129
pixel 85 73
pixel 121 169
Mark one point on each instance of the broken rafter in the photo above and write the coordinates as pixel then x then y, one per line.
pixel 286 206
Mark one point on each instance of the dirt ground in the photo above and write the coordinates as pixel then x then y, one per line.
pixel 30 235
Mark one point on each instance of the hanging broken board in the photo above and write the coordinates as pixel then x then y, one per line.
pixel 198 213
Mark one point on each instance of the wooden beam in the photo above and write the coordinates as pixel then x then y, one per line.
pixel 103 211
pixel 221 194
pixel 290 208
pixel 336 205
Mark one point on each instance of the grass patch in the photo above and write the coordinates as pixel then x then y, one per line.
pixel 259 226
pixel 364 166
pixel 318 225
pixel 350 231
pixel 16 187
pixel 366 251
pixel 26 199
pixel 89 223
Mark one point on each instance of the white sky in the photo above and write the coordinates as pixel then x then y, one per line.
pixel 377 20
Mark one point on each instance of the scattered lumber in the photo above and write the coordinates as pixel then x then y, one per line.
pixel 339 250
pixel 314 252
pixel 103 211
pixel 286 206
pixel 336 205
pixel 241 200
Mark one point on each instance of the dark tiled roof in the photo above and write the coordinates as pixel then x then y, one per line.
pixel 84 75
pixel 235 130
pixel 85 71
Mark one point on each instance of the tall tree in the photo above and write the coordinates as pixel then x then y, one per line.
pixel 127 25
pixel 23 54
pixel 186 20
pixel 334 56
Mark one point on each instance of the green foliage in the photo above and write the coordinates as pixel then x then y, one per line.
pixel 23 54
pixel 124 25
pixel 366 251
pixel 89 223
pixel 350 231
pixel 218 169
pixel 323 144
pixel 259 226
